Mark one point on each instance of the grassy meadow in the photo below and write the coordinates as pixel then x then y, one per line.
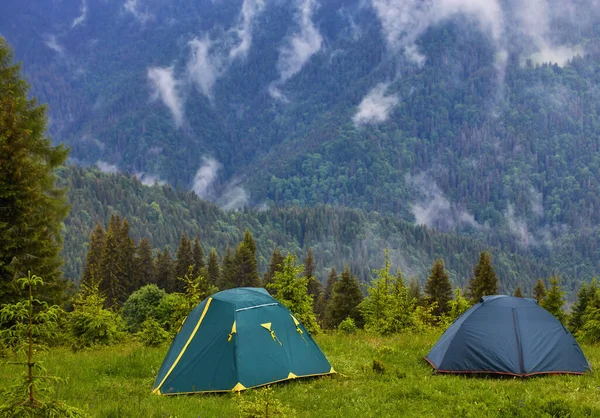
pixel 116 382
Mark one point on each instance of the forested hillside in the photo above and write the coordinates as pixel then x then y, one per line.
pixel 478 118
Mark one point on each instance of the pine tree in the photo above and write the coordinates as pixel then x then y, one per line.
pixel 414 291
pixel 228 271
pixel 94 255
pixel 322 302
pixel 314 285
pixel 518 292
pixel 585 294
pixel 438 288
pixel 274 266
pixel 345 298
pixel 291 289
pixel 185 259
pixel 111 269
pixel 484 281
pixel 126 254
pixel 245 261
pixel 539 291
pixel 165 271
pixel 32 208
pixel 143 264
pixel 198 256
pixel 374 308
pixel 554 300
pixel 213 271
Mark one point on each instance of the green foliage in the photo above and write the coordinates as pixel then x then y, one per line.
pixel 196 289
pixel 438 289
pixel 244 259
pixel 347 326
pixel 378 366
pixel 518 292
pixel 290 289
pixel 32 208
pixel 141 305
pixel 172 311
pixel 152 334
pixel 584 296
pixel 31 395
pixel 259 403
pixel 554 300
pixel 484 281
pixel 539 291
pixel 91 324
pixel 345 299
pixel 589 320
pixel 458 306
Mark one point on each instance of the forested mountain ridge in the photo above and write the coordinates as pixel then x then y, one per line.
pixel 478 117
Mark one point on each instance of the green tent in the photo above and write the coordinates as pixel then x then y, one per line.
pixel 238 339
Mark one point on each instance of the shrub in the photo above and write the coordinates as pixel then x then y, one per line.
pixel 152 334
pixel 172 311
pixel 378 366
pixel 141 305
pixel 262 403
pixel 347 326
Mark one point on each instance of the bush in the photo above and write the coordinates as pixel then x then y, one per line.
pixel 348 326
pixel 141 305
pixel 262 403
pixel 378 366
pixel 152 334
pixel 172 311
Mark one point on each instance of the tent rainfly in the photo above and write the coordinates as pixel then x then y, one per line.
pixel 237 339
pixel 507 335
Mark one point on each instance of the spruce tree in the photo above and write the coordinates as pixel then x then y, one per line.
pixel 325 297
pixel 165 271
pixel 143 264
pixel 314 285
pixel 484 281
pixel 539 291
pixel 126 254
pixel 518 292
pixel 32 208
pixel 213 271
pixel 274 266
pixel 345 298
pixel 198 256
pixel 94 256
pixel 246 265
pixel 414 291
pixel 554 300
pixel 111 269
pixel 228 271
pixel 438 288
pixel 585 294
pixel 185 259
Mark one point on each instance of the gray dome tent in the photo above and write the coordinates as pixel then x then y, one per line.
pixel 507 335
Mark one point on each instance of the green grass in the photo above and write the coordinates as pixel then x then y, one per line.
pixel 116 382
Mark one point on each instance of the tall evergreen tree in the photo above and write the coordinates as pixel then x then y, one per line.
pixel 345 298
pixel 185 258
pixel 126 254
pixel 245 261
pixel 228 271
pixel 198 256
pixel 539 291
pixel 32 208
pixel 275 265
pixel 143 264
pixel 165 271
pixel 578 310
pixel 414 291
pixel 213 271
pixel 111 269
pixel 518 292
pixel 484 281
pixel 554 300
pixel 438 288
pixel 94 256
pixel 314 285
pixel 322 302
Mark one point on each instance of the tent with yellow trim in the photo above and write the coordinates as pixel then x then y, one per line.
pixel 238 339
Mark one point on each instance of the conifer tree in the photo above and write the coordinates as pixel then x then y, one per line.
pixel 322 302
pixel 246 265
pixel 414 291
pixel 185 259
pixel 228 271
pixel 94 255
pixel 518 292
pixel 438 288
pixel 165 271
pixel 198 256
pixel 484 281
pixel 291 289
pixel 345 298
pixel 585 294
pixel 554 300
pixel 143 264
pixel 32 208
pixel 539 291
pixel 314 285
pixel 126 252
pixel 111 270
pixel 213 271
pixel 274 266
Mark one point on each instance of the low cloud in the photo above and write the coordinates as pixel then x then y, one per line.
pixel 300 47
pixel 166 89
pixel 81 18
pixel 53 44
pixel 435 210
pixel 518 228
pixel 107 168
pixel 233 198
pixel 376 106
pixel 149 179
pixel 205 178
pixel 132 6
pixel 250 9
pixel 203 69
